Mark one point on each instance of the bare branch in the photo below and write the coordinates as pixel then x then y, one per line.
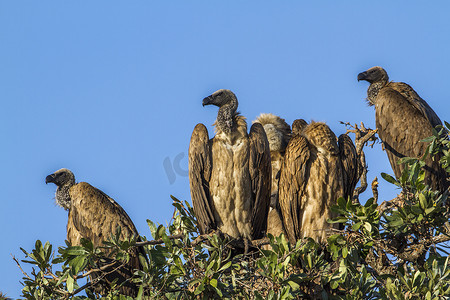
pixel 20 267
pixel 375 189
pixel 80 289
pixel 160 241
pixel 362 136
pixel 102 268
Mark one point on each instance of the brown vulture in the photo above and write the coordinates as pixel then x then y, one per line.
pixel 278 134
pixel 403 119
pixel 95 216
pixel 317 169
pixel 230 174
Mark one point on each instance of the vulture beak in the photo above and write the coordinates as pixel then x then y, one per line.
pixel 362 76
pixel 207 100
pixel 50 178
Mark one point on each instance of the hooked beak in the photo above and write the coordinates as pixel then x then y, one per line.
pixel 207 100
pixel 362 76
pixel 50 178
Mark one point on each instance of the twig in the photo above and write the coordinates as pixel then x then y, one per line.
pixel 20 267
pixel 160 241
pixel 385 205
pixel 237 243
pixel 87 285
pixel 102 268
pixel 203 237
pixel 375 189
pixel 380 263
pixel 362 136
pixel 261 242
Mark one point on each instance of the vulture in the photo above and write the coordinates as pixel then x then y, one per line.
pixel 230 174
pixel 278 134
pixel 95 216
pixel 317 169
pixel 403 119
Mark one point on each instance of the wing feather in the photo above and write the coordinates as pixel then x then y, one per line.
pixel 413 98
pixel 350 163
pixel 401 127
pixel 200 166
pixel 260 168
pixel 293 178
pixel 95 215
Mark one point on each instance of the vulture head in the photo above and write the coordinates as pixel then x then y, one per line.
pixel 277 130
pixel 374 74
pixel 377 77
pixel 64 180
pixel 227 102
pixel 298 126
pixel 221 98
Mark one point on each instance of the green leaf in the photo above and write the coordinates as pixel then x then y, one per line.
pixel 140 293
pixel 69 283
pixel 389 178
pixel 152 227
pixel 369 202
pixel 77 263
pixel 213 282
pixel 337 220
pixel 423 201
pixel 356 226
pixel 295 286
pixel 430 210
pixel 199 289
pixel 341 202
pixel 344 252
pixel 428 139
pixel 396 222
pixel 368 227
pixel 407 160
pixel 225 266
pixel 75 251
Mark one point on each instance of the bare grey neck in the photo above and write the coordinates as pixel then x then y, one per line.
pixel 373 90
pixel 225 117
pixel 62 195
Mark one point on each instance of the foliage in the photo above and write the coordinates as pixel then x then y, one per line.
pixel 395 250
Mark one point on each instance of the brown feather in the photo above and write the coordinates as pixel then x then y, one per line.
pixel 199 176
pixel 351 167
pixel 312 177
pixel 95 216
pixel 230 175
pixel 294 176
pixel 260 173
pixel 403 119
pixel 278 134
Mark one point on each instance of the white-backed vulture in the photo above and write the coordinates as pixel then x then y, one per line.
pixel 230 174
pixel 95 216
pixel 278 134
pixel 403 119
pixel 316 171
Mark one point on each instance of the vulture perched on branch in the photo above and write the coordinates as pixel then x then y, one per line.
pixel 317 169
pixel 403 119
pixel 278 134
pixel 95 216
pixel 230 174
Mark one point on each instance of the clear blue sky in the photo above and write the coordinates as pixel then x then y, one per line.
pixel 112 90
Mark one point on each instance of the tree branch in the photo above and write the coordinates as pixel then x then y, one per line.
pixel 362 136
pixel 160 241
pixel 20 267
